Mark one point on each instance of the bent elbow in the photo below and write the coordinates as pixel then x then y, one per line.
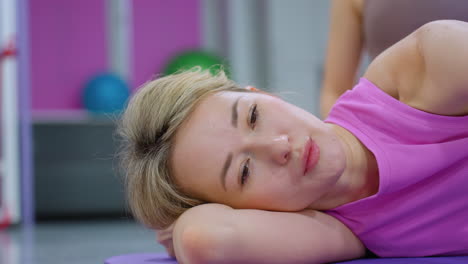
pixel 202 245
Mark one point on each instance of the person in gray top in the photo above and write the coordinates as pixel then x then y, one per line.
pixel 362 26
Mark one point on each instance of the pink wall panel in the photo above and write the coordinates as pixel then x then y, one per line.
pixel 68 45
pixel 162 29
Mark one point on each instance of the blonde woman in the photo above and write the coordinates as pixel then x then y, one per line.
pixel 234 175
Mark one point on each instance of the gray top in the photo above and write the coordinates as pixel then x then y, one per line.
pixel 388 21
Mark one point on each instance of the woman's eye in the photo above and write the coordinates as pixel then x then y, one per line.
pixel 253 116
pixel 245 172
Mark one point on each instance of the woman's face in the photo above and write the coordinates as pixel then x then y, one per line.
pixel 253 150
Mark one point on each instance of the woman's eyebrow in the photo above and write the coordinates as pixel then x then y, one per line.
pixel 234 115
pixel 225 169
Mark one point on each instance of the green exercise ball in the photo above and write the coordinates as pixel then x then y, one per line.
pixel 190 59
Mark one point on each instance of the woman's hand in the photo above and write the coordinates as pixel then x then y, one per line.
pixel 164 237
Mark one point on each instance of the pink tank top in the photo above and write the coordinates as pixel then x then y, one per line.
pixel 421 207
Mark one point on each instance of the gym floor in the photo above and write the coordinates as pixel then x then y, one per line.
pixel 70 242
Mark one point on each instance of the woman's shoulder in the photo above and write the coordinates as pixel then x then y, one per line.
pixel 414 72
pixel 399 70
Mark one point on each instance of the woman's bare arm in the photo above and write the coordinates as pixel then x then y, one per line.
pixel 444 48
pixel 345 43
pixel 214 233
pixel 427 69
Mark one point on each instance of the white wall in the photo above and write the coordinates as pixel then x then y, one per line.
pixel 273 44
pixel 298 31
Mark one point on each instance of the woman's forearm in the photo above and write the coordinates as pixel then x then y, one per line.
pixel 345 43
pixel 217 234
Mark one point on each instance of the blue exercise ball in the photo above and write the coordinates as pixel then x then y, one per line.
pixel 105 93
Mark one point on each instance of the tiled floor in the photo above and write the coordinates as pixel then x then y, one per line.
pixel 75 242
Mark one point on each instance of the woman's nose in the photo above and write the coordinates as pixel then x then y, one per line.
pixel 277 148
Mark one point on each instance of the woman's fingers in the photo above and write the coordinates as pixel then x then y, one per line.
pixel 164 237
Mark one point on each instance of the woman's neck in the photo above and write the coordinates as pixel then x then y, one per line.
pixel 360 178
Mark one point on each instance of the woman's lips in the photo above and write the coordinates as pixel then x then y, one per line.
pixel 310 155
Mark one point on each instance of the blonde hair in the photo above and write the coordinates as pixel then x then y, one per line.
pixel 148 128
